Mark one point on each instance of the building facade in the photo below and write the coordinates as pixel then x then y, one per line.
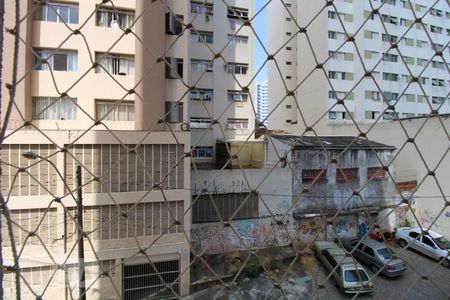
pixel 387 50
pixel 262 101
pixel 79 102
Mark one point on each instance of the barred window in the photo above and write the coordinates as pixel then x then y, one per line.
pixel 317 175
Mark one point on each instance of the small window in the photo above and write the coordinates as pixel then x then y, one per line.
pixel 54 108
pixel 198 65
pixel 288 77
pixel 237 68
pixel 174 112
pixel 234 123
pixel 174 68
pixel 346 174
pixel 288 48
pixel 114 110
pixel 56 60
pixel 376 173
pixel 114 18
pixel 237 13
pixel 202 152
pixel 201 94
pixel 202 8
pixel 115 64
pixel 314 175
pixel 202 37
pixel 57 12
pixel 237 96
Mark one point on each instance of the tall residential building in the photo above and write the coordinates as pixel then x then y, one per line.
pixel 262 99
pixel 219 107
pixel 135 177
pixel 387 48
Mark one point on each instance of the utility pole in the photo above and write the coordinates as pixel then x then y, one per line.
pixel 81 273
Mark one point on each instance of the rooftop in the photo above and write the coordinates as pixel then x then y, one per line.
pixel 329 142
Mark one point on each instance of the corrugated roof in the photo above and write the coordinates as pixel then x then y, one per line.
pixel 329 142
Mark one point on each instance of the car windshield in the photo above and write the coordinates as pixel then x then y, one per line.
pixel 442 242
pixel 355 275
pixel 384 253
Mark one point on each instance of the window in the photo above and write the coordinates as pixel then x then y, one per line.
pixel 406 22
pixel 199 122
pixel 390 57
pixel 341 55
pixel 57 12
pixel 413 234
pixel 346 174
pixel 173 112
pixel 409 97
pixel 436 12
pixel 113 18
pixel 371 115
pixel 201 65
pixel 237 13
pixel 237 96
pixel 174 68
pixel 371 35
pixel 390 116
pixel 421 61
pixel 235 123
pixel 435 29
pixel 115 64
pixel 409 60
pixel 174 25
pixel 202 8
pixel 390 96
pixel 437 100
pixel 376 173
pixel 340 95
pixel 340 115
pixel 237 68
pixel 391 2
pixel 408 41
pixel 437 47
pixel 408 115
pixel 390 76
pixel 56 60
pixel 332 14
pixel 420 8
pixel 368 251
pixel 201 94
pixel 236 40
pixel 372 95
pixel 437 82
pixel 340 75
pixel 202 37
pixel 389 19
pixel 54 108
pixel 421 44
pixel 423 80
pixel 114 110
pixel 151 280
pixel 437 65
pixel 202 152
pixel 427 241
pixel 288 48
pixel 368 54
pixel 316 175
pixel 389 38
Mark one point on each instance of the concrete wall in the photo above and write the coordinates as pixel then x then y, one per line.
pixel 331 196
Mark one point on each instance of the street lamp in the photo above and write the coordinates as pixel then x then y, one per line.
pixel 79 201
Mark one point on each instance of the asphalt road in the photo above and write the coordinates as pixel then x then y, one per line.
pixel 424 279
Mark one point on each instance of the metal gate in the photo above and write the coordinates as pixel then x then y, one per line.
pixel 154 280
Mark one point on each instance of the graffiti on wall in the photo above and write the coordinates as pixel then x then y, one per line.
pixel 240 235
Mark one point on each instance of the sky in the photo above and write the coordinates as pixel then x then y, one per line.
pixel 260 26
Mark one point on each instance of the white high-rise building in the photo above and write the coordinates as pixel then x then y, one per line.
pixel 351 43
pixel 262 101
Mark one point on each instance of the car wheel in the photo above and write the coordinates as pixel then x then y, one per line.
pixel 402 243
pixel 374 268
pixel 446 262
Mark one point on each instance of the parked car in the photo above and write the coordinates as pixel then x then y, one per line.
pixel 349 275
pixel 432 244
pixel 375 255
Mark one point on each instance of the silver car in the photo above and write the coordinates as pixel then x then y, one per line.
pixel 375 255
pixel 432 244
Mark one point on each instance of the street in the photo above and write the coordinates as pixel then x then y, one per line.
pixel 435 283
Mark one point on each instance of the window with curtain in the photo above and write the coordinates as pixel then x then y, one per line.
pixel 114 110
pixel 115 64
pixel 54 108
pixel 114 18
pixel 56 60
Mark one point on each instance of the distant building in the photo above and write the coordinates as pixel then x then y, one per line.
pixel 389 44
pixel 262 101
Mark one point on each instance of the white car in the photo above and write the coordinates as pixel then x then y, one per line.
pixel 432 244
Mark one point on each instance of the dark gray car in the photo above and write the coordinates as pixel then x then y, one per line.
pixel 376 256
